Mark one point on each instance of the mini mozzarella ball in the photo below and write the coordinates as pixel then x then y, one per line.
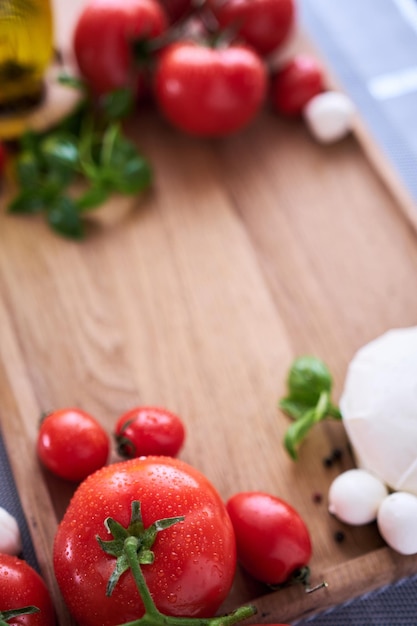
pixel 355 496
pixel 329 116
pixel 10 538
pixel 397 522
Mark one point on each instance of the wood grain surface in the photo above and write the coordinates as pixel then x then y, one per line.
pixel 247 252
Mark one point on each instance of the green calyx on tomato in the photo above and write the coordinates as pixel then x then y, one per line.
pixel 132 548
pixel 5 616
pixel 141 538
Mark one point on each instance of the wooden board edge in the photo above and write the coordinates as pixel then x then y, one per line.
pixel 348 581
pixel 386 171
pixel 374 154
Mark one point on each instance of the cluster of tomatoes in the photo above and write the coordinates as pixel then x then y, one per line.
pixel 260 531
pixel 205 63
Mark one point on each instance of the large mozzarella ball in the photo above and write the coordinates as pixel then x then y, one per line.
pixel 379 408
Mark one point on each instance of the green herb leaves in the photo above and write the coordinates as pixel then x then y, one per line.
pixel 88 147
pixel 308 401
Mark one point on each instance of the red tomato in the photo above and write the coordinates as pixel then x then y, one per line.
pixel 72 444
pixel 195 559
pixel 295 84
pixel 176 9
pixel 264 24
pixel 21 586
pixel 103 37
pixel 209 92
pixel 272 539
pixel 149 430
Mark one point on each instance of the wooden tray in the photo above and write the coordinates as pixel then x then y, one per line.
pixel 248 251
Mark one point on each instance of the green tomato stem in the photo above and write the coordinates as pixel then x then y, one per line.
pixel 153 617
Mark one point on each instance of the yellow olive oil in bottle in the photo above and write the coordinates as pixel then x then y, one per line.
pixel 26 47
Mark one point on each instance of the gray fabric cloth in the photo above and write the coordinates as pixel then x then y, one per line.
pixel 9 500
pixel 394 605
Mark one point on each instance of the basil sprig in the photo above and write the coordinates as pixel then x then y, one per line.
pixel 308 401
pixel 88 146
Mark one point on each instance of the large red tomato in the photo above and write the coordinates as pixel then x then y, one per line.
pixel 21 586
pixel 103 37
pixel 209 92
pixel 195 559
pixel 264 24
pixel 272 539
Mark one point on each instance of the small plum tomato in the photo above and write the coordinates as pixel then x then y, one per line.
pixel 21 586
pixel 209 92
pixel 272 539
pixel 194 560
pixel 295 84
pixel 263 24
pixel 149 430
pixel 72 444
pixel 103 41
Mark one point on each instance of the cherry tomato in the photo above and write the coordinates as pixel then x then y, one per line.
pixel 21 586
pixel 194 560
pixel 72 444
pixel 295 84
pixel 272 539
pixel 149 430
pixel 264 24
pixel 176 9
pixel 209 91
pixel 103 36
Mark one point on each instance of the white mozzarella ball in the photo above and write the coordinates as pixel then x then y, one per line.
pixel 379 408
pixel 355 496
pixel 329 116
pixel 397 522
pixel 10 538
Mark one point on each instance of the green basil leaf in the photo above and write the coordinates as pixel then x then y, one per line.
pixel 61 149
pixel 117 104
pixel 293 408
pixel 28 170
pixel 26 202
pixel 65 219
pixel 29 141
pixel 299 428
pixel 136 177
pixel 123 168
pixel 92 198
pixel 307 378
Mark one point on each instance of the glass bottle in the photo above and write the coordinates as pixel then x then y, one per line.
pixel 26 48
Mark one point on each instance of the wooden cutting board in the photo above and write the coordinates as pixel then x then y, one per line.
pixel 247 252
